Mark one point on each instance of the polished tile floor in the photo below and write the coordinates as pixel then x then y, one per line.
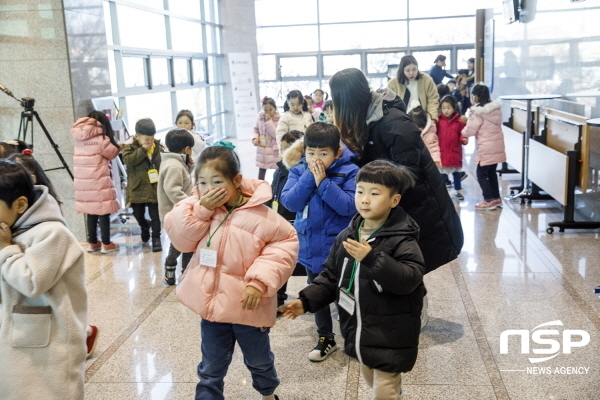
pixel 511 275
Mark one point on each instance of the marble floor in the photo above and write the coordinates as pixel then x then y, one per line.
pixel 511 275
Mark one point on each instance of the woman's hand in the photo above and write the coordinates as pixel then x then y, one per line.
pixel 293 309
pixel 251 298
pixel 5 235
pixel 357 250
pixel 213 198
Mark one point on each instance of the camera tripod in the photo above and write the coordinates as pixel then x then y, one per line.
pixel 26 127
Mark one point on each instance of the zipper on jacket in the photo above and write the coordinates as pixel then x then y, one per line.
pixel 358 315
pixel 343 270
pixel 211 307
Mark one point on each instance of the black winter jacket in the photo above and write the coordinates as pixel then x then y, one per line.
pixel 279 179
pixel 393 136
pixel 384 331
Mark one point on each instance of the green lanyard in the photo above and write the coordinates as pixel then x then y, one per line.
pixel 355 267
pixel 225 219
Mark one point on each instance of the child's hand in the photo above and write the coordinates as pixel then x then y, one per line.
pixel 251 298
pixel 147 146
pixel 318 170
pixel 5 235
pixel 293 309
pixel 358 251
pixel 464 140
pixel 268 117
pixel 438 164
pixel 255 141
pixel 213 198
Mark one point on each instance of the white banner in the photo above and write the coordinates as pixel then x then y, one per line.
pixel 245 99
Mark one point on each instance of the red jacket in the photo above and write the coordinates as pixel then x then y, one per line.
pixel 449 135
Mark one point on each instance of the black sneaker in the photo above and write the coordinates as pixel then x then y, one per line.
pixel 322 350
pixel 156 245
pixel 169 275
pixel 448 183
pixel 463 176
pixel 145 235
pixel 459 196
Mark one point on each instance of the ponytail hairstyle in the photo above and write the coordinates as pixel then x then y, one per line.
pixel 34 168
pixel 106 127
pixel 268 100
pixel 8 147
pixel 419 116
pixel 185 113
pixel 323 93
pixel 295 94
pixel 483 94
pixel 222 159
pixel 351 98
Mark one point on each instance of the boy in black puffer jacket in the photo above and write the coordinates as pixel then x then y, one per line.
pixel 374 273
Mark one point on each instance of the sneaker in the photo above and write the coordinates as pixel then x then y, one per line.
pixel 463 176
pixel 485 206
pixel 170 275
pixel 92 340
pixel 109 248
pixel 448 183
pixel 145 235
pixel 322 350
pixel 497 202
pixel 156 245
pixel 459 196
pixel 94 247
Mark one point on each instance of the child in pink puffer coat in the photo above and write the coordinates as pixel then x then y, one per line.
pixel 264 138
pixel 244 252
pixel 95 193
pixel 485 123
pixel 428 129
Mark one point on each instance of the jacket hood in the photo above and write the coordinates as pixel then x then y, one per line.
pixel 398 223
pixel 455 117
pixel 44 209
pixel 378 97
pixel 413 104
pixel 427 126
pixel 295 154
pixel 488 108
pixel 258 191
pixel 86 128
pixel 176 157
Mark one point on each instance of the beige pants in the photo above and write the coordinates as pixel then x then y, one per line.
pixel 385 385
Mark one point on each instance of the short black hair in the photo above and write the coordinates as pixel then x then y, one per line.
pixel 291 136
pixel 451 81
pixel 15 182
pixel 471 60
pixel 440 57
pixel 397 178
pixel 145 126
pixel 322 134
pixel 178 139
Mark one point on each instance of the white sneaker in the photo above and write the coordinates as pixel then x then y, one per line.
pixel 322 350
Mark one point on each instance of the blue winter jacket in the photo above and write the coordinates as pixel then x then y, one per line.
pixel 330 206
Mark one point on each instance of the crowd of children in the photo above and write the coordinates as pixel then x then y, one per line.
pixel 240 239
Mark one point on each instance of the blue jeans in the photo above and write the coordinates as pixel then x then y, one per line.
pixel 455 177
pixel 218 342
pixel 323 316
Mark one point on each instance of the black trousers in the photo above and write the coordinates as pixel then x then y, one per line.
pixel 139 212
pixel 488 180
pixel 171 260
pixel 92 226
pixel 261 173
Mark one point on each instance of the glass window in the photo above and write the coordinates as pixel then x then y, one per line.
pixel 141 28
pixel 425 9
pixel 589 51
pixel 277 12
pixel 134 71
pixel 193 100
pixel 215 6
pixel 279 90
pixel 289 39
pixel 199 70
pixel 426 58
pixel 267 68
pixel 430 32
pixel 189 8
pixel 339 11
pixel 156 106
pixel 209 39
pixel 160 71
pixel 333 64
pixel 112 68
pixel 377 83
pixel 373 35
pixel 181 70
pixel 186 35
pixel 298 66
pixel 378 62
pixel 160 4
pixel 108 23
pixel 463 58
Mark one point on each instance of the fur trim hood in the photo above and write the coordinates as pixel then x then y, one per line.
pixel 488 108
pixel 427 126
pixel 292 156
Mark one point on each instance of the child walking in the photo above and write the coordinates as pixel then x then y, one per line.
pixel 428 129
pixel 264 138
pixel 185 120
pixel 44 300
pixel 320 190
pixel 296 116
pixel 174 185
pixel 141 155
pixel 374 273
pixel 95 194
pixel 451 140
pixel 244 252
pixel 485 123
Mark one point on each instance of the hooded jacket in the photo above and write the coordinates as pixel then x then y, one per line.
pixel 266 156
pixel 94 188
pixel 255 247
pixel 43 310
pixel 485 123
pixel 428 94
pixel 430 138
pixel 139 188
pixel 383 332
pixel 174 182
pixel 330 206
pixel 393 136
pixel 279 179
pixel 449 136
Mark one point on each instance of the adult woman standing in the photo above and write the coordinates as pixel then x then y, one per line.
pixel 411 85
pixel 375 126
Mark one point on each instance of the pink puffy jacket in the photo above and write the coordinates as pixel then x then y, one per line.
pixel 266 156
pixel 255 247
pixel 94 190
pixel 430 138
pixel 485 123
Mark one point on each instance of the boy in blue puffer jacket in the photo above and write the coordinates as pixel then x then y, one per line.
pixel 320 190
